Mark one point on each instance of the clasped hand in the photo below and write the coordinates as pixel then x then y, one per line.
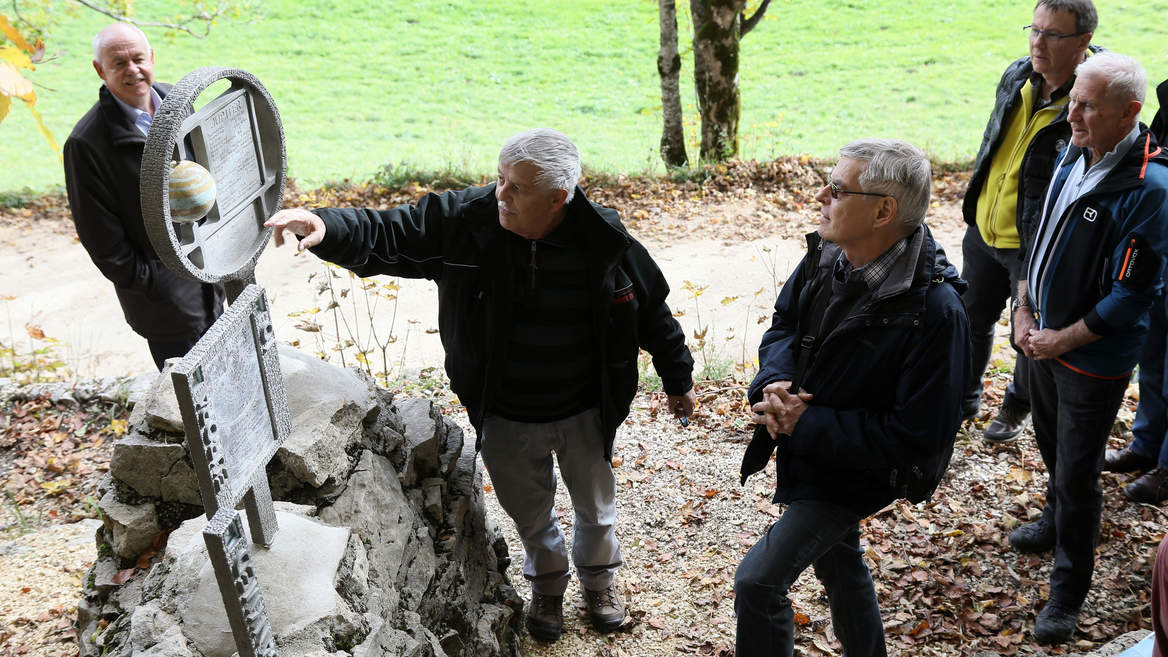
pixel 780 410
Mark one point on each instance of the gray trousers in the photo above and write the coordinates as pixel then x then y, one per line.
pixel 518 456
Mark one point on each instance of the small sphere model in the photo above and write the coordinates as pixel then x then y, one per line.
pixel 192 191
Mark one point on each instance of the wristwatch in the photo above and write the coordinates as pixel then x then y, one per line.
pixel 1017 303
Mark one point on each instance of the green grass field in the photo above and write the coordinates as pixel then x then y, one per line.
pixel 439 85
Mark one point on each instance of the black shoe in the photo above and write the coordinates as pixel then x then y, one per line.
pixel 1151 488
pixel 1127 460
pixel 545 616
pixel 969 410
pixel 1008 424
pixel 605 608
pixel 1055 624
pixel 1033 537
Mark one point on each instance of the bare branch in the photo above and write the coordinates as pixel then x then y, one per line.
pixel 206 18
pixel 749 23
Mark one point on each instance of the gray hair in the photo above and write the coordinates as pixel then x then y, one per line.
pixel 100 38
pixel 1086 18
pixel 551 152
pixel 896 168
pixel 1126 79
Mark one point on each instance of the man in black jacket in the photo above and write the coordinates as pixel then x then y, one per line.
pixel 543 302
pixel 1026 131
pixel 872 325
pixel 103 156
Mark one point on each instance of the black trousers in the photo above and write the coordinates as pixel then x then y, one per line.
pixel 992 277
pixel 161 350
pixel 1073 414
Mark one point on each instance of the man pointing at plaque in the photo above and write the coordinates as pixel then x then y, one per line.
pixel 543 302
pixel 103 157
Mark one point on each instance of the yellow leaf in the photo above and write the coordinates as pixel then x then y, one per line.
pixel 12 83
pixel 56 487
pixel 361 358
pixel 16 58
pixel 14 36
pixel 118 427
pixel 726 301
pixel 5 105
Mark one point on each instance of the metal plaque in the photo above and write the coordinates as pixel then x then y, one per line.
pixel 239 139
pixel 235 411
pixel 230 558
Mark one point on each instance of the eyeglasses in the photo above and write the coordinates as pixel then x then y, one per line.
pixel 836 191
pixel 1050 37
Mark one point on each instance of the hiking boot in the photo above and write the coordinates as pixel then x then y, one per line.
pixel 1055 624
pixel 1033 537
pixel 605 608
pixel 1008 424
pixel 1151 488
pixel 1127 460
pixel 545 616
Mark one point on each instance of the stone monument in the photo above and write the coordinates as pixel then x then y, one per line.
pixel 229 387
pixel 393 551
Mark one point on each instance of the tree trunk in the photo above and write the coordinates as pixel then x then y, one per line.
pixel 669 67
pixel 719 26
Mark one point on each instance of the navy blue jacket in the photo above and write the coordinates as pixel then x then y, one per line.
pixel 888 379
pixel 455 240
pixel 1092 274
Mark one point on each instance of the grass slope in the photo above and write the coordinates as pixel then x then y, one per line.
pixel 439 85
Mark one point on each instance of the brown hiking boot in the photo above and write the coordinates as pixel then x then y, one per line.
pixel 1151 488
pixel 545 616
pixel 605 608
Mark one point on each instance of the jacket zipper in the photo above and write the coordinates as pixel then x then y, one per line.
pixel 533 265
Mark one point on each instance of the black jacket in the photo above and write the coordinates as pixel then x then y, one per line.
pixel 887 379
pixel 103 157
pixel 455 240
pixel 1037 162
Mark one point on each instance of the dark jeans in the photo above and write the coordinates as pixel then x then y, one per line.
pixel 1151 421
pixel 161 350
pixel 992 277
pixel 810 532
pixel 1073 414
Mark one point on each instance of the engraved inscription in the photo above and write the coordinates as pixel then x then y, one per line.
pixel 231 149
pixel 240 405
pixel 231 559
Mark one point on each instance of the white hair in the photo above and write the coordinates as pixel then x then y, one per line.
pixel 551 152
pixel 898 169
pixel 1126 79
pixel 101 37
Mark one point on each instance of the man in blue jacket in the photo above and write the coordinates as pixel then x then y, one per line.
pixel 1093 272
pixel 543 302
pixel 873 325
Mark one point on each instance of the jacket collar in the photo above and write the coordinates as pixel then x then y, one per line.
pixel 1128 172
pixel 606 236
pixel 923 263
pixel 121 131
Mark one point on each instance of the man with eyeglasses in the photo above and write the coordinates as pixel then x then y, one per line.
pixel 1093 272
pixel 859 387
pixel 1026 131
